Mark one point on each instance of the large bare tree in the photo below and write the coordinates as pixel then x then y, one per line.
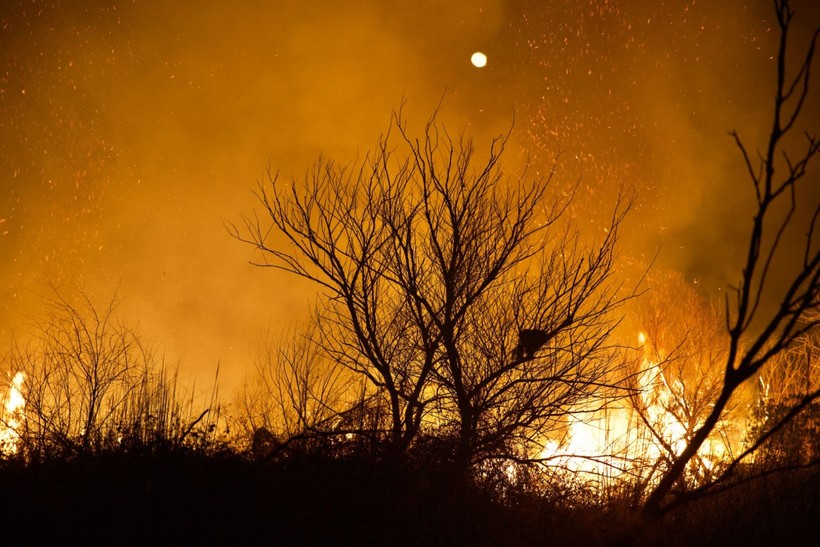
pixel 461 294
pixel 779 180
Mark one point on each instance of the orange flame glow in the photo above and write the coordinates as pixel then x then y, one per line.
pixel 627 440
pixel 12 416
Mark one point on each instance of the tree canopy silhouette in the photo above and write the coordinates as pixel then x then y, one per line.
pixel 431 263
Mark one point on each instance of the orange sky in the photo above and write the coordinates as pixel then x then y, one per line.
pixel 131 130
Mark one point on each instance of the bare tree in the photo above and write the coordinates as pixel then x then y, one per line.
pixel 432 264
pixel 91 384
pixel 518 384
pixel 680 373
pixel 295 392
pixel 79 371
pixel 777 177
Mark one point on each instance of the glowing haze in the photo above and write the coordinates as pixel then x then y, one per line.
pixel 129 130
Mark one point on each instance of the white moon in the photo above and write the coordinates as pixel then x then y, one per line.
pixel 479 60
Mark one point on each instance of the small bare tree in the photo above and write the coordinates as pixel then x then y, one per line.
pixel 433 265
pixel 680 373
pixel 90 385
pixel 295 392
pixel 778 177
pixel 79 371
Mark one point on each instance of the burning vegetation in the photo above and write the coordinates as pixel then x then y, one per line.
pixel 476 360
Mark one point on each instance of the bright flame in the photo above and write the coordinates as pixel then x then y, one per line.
pixel 621 439
pixel 479 60
pixel 12 416
pixel 598 445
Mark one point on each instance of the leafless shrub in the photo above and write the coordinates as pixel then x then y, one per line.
pixel 92 385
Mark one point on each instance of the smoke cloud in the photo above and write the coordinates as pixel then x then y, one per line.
pixel 131 130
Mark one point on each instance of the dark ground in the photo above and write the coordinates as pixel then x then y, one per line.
pixel 185 499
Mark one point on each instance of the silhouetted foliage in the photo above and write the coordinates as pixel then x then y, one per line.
pixel 754 337
pixel 432 262
pixel 91 386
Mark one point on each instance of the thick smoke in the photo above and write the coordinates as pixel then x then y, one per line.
pixel 129 130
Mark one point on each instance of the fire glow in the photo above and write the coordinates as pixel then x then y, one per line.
pixel 12 416
pixel 628 438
